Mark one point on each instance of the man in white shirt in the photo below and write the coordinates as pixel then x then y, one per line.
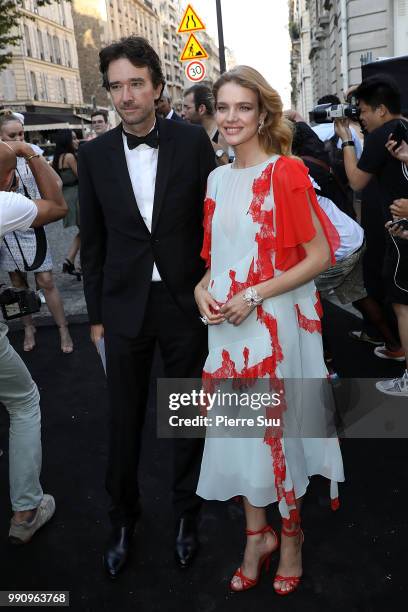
pixel 345 277
pixel 18 392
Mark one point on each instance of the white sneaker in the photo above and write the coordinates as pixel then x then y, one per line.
pixel 395 386
pixel 21 533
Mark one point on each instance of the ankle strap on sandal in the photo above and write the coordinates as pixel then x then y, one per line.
pixel 265 529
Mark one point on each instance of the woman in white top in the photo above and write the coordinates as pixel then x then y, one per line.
pixel 11 129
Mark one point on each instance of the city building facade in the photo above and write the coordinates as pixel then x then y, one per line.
pixel 331 39
pixel 100 22
pixel 43 79
pixel 56 64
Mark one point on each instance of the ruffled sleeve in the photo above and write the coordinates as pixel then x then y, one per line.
pixel 209 208
pixel 294 222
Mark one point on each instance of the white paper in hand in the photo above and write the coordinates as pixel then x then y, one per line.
pixel 100 347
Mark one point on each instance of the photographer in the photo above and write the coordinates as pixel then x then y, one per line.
pixel 379 102
pixel 18 392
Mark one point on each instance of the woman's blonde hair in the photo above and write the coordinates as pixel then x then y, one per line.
pixel 276 133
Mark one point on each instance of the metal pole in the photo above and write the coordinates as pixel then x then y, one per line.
pixel 221 47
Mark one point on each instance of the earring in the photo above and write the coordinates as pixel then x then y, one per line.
pixel 260 126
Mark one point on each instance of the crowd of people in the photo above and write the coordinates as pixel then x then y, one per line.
pixel 213 234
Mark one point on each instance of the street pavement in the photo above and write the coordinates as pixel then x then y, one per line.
pixel 355 559
pixel 71 290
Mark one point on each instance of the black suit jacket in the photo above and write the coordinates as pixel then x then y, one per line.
pixel 117 249
pixel 176 117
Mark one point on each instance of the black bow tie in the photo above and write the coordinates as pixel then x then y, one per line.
pixel 151 139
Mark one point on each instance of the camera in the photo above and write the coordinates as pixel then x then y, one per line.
pixel 326 113
pixel 16 303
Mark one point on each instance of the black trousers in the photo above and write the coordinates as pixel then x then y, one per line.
pixel 183 349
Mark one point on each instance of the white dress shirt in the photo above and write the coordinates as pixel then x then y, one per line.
pixel 170 114
pixel 142 168
pixel 351 234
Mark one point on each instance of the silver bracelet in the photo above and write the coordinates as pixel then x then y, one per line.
pixel 252 298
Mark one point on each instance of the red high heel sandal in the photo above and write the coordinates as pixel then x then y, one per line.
pixel 292 582
pixel 249 583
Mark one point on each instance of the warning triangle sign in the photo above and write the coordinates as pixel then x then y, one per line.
pixel 191 21
pixel 193 50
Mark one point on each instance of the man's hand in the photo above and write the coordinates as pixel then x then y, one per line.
pixel 400 153
pixel 224 159
pixel 396 231
pixel 349 92
pixel 342 129
pixel 97 333
pixel 293 115
pixel 399 208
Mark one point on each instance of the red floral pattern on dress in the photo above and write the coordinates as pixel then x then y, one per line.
pixel 309 325
pixel 265 238
pixel 335 504
pixel 209 208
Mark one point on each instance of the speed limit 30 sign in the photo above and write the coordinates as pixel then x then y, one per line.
pixel 195 71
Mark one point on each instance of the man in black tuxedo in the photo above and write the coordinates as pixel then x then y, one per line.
pixel 141 188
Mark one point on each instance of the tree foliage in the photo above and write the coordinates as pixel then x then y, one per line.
pixel 9 18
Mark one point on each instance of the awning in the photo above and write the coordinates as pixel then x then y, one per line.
pixel 35 122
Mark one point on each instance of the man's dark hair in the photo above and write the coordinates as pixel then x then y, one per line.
pixel 329 99
pixel 202 94
pixel 138 51
pixel 380 89
pixel 103 114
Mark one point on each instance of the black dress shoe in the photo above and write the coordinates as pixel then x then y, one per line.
pixel 117 550
pixel 186 541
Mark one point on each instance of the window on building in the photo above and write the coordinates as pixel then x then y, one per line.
pixel 68 56
pixel 40 45
pixel 63 90
pixel 27 40
pixel 44 87
pixel 57 50
pixel 50 47
pixel 34 88
pixel 62 12
pixel 8 84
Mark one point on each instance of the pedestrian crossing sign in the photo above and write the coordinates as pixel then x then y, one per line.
pixel 190 22
pixel 193 50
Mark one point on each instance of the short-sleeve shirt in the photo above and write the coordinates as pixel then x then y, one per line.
pixel 16 212
pixel 392 174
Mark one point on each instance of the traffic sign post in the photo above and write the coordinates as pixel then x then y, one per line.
pixel 195 71
pixel 193 50
pixel 190 22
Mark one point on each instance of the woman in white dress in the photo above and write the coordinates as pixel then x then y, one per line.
pixel 11 258
pixel 266 239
